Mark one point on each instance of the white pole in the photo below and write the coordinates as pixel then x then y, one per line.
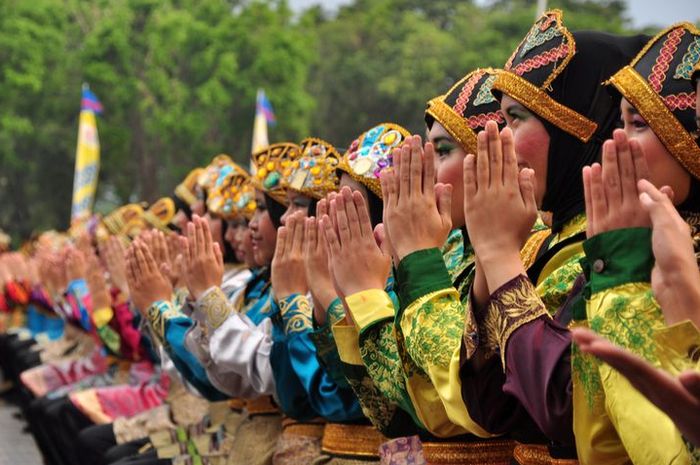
pixel 541 7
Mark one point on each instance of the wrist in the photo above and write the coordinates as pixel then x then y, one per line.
pixel 500 268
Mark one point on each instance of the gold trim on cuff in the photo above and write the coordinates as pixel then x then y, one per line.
pixel 662 121
pixel 453 123
pixel 545 106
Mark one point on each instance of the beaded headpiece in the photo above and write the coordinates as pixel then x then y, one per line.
pixel 527 77
pixel 658 84
pixel 234 196
pixel 464 110
pixel 269 164
pixel 187 189
pixel 313 174
pixel 370 153
pixel 214 173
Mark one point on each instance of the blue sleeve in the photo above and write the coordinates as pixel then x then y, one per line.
pixel 171 327
pixel 77 294
pixel 327 398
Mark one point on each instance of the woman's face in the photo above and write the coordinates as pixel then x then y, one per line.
pixel 241 242
pixel 347 180
pixel 449 159
pixel 198 208
pixel 297 203
pixel 531 141
pixel 180 220
pixel 263 232
pixel 664 169
pixel 216 228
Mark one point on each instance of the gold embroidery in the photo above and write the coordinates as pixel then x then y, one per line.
pixel 537 100
pixel 511 308
pixel 297 314
pixel 455 124
pixel 216 307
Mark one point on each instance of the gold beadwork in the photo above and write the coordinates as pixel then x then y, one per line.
pixel 538 101
pixel 232 196
pixel 186 190
pixel 269 180
pixel 664 124
pixel 537 454
pixel 263 405
pixel 313 173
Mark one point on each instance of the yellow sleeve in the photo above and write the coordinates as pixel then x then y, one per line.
pixel 678 347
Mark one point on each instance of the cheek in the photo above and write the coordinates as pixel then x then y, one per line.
pixel 450 171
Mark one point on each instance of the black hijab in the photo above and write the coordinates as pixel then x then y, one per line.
pixel 579 87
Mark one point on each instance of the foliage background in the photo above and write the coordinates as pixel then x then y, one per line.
pixel 178 78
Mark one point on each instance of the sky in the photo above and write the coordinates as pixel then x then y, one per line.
pixel 642 12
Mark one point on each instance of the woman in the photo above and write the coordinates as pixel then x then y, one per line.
pixel 558 114
pixel 659 128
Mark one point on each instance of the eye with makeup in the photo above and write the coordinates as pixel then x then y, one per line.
pixel 444 148
pixel 301 201
pixel 516 113
pixel 635 121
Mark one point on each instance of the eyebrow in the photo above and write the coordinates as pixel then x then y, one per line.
pixel 439 139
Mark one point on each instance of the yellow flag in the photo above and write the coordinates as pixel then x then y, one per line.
pixel 87 159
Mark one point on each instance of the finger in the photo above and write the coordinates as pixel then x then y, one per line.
pixel 690 380
pixel 321 208
pixel 598 198
pixel 641 167
pixel 469 179
pixel 443 192
pixel 495 154
pixel 333 210
pixel 140 259
pixel 199 234
pixel 282 233
pixel 363 215
pixel 510 160
pixel 342 221
pixel 527 189
pixel 330 235
pixel 298 241
pixel 310 234
pixel 668 192
pixel 416 167
pixel 482 160
pixel 206 232
pixel 404 172
pixel 625 166
pixel 351 212
pixel 191 242
pixel 217 254
pixel 429 170
pixel 150 261
pixel 590 217
pixel 392 186
pixel 612 188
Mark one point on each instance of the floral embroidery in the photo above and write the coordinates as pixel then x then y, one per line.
pixel 513 305
pixel 585 372
pixel 380 356
pixel 374 405
pixel 436 328
pixel 555 288
pixel 628 316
